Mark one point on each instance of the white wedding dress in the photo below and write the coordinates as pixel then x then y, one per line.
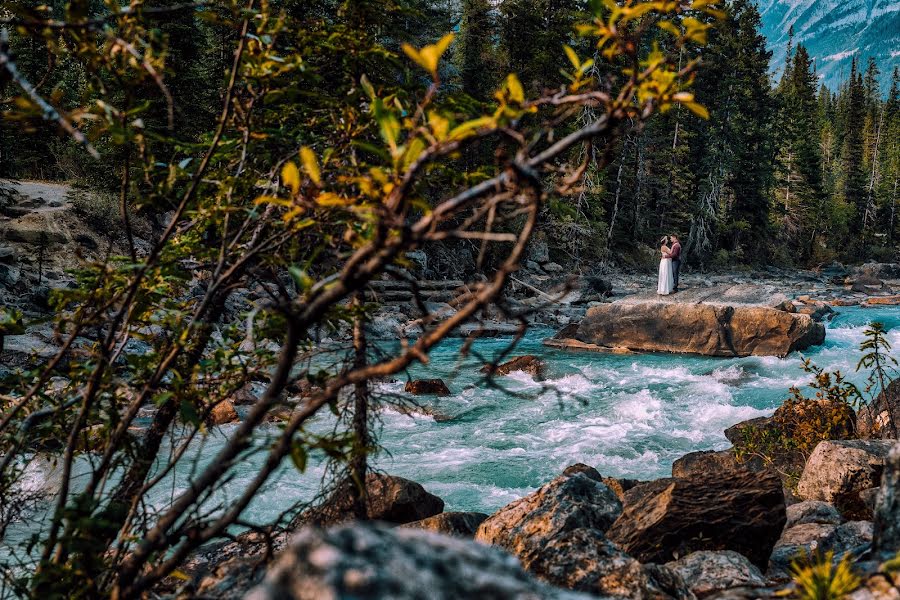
pixel 666 277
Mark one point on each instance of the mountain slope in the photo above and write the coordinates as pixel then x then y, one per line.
pixel 834 31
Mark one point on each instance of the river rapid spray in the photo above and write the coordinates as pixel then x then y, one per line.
pixel 627 415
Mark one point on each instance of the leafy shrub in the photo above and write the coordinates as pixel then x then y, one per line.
pixel 98 210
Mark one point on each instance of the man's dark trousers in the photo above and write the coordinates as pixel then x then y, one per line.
pixel 676 267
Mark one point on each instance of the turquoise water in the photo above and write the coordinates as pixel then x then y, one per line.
pixel 626 415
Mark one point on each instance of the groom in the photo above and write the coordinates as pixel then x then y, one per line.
pixel 675 255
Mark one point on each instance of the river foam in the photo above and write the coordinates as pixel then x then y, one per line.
pixel 626 415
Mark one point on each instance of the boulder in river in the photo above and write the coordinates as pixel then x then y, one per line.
pixel 706 329
pixel 880 270
pixel 866 284
pixel 370 562
pixel 741 511
pixel 420 387
pixel 707 571
pixel 528 363
pixel 389 498
pixel 458 524
pixel 569 502
pixel 222 413
pixel 838 470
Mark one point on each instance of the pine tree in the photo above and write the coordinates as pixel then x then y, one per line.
pixel 474 49
pixel 888 190
pixel 798 189
pixel 734 147
pixel 532 34
pixel 851 188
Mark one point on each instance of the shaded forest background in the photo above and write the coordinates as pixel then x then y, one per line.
pixel 783 172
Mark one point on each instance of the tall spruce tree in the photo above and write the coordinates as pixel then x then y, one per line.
pixel 798 188
pixel 851 190
pixel 474 49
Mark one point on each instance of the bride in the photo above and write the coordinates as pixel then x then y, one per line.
pixel 666 274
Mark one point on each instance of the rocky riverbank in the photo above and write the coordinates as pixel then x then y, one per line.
pixel 730 532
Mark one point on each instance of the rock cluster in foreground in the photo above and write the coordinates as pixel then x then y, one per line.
pixel 726 533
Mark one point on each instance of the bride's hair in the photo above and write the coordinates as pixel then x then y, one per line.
pixel 664 239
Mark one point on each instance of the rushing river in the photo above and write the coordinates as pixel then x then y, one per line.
pixel 626 415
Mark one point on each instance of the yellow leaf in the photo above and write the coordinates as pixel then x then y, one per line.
pixel 573 58
pixel 272 200
pixel 439 125
pixel 177 574
pixel 330 199
pixel 687 100
pixel 697 109
pixel 413 151
pixel 290 176
pixel 311 165
pixel 516 93
pixel 464 129
pixel 670 27
pixel 428 56
pixel 291 214
pixel 367 86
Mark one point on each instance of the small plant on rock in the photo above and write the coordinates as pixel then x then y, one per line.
pixel 821 578
pixel 881 365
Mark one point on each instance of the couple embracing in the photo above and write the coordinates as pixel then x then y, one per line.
pixel 669 266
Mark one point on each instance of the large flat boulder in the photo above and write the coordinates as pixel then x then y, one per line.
pixel 730 294
pixel 369 562
pixel 741 511
pixel 706 329
pixel 838 470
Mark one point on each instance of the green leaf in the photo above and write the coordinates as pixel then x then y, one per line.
pixel 413 151
pixel 388 124
pixel 301 277
pixel 162 398
pixel 299 456
pixel 189 412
